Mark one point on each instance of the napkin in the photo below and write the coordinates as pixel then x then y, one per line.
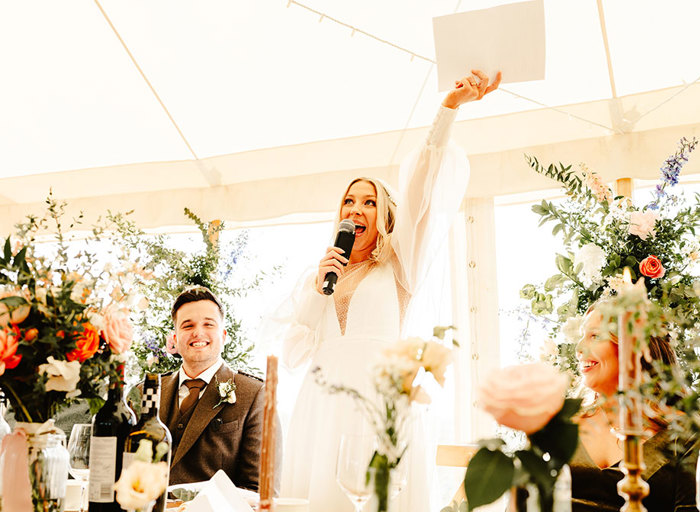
pixel 219 495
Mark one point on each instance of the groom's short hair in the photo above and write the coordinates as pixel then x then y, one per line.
pixel 194 294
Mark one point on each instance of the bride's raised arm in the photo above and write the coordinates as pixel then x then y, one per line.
pixel 433 180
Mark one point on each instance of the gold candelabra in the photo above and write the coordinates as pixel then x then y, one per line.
pixel 631 333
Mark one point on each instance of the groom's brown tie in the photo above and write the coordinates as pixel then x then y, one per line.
pixel 195 386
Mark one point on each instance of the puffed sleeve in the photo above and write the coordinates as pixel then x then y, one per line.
pixel 304 311
pixel 433 180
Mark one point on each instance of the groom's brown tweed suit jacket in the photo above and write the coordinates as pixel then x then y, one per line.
pixel 227 437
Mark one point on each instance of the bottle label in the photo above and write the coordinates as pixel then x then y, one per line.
pixel 151 401
pixel 103 458
pixel 127 459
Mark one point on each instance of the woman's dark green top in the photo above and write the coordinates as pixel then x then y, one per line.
pixel 670 475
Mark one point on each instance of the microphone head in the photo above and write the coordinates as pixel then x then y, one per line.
pixel 347 226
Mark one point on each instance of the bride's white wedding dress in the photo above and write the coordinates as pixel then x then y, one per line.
pixel 343 333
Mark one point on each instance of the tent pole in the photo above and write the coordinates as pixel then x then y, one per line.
pixel 624 187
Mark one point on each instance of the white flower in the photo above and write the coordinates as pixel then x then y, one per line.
pixel 63 375
pixel 572 329
pixel 40 293
pixel 96 319
pixel 593 259
pixel 549 351
pixel 141 483
pixel 616 283
pixel 78 292
pixel 227 392
pixel 642 224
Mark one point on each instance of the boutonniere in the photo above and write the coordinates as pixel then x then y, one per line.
pixel 227 392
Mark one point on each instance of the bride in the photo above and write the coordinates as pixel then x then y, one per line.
pixel 341 333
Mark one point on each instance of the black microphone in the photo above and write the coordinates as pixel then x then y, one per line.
pixel 344 240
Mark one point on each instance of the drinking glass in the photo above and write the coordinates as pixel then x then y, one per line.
pixel 354 454
pixel 399 477
pixel 79 457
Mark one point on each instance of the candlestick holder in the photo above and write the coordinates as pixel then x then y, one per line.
pixel 631 334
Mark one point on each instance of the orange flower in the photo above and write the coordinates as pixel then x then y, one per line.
pixel 9 339
pixel 651 267
pixel 31 334
pixel 86 343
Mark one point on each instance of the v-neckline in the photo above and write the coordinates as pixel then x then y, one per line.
pixel 342 328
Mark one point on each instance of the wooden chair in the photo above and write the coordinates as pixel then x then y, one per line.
pixel 456 456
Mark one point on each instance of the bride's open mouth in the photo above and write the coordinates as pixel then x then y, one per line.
pixel 359 229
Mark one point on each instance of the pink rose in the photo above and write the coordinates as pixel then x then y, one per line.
pixel 642 224
pixel 117 330
pixel 9 340
pixel 10 315
pixel 524 397
pixel 651 267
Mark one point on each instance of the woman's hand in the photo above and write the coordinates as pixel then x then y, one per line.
pixel 470 88
pixel 333 261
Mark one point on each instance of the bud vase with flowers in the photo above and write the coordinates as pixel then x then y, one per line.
pixel 63 329
pixel 394 375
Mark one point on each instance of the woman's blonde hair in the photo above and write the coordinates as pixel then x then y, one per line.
pixel 386 217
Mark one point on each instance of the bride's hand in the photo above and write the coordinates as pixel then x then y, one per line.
pixel 334 262
pixel 471 88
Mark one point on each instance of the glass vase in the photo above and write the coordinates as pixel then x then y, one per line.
pixel 47 465
pixel 387 484
pixel 529 498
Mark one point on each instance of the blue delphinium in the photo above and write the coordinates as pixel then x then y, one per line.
pixel 672 169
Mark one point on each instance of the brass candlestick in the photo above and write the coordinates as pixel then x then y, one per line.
pixel 630 335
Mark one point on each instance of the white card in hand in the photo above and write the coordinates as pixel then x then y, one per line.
pixel 508 38
pixel 219 495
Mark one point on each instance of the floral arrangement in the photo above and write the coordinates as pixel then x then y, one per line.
pixel 64 324
pixel 171 270
pixel 146 477
pixel 604 234
pixel 394 376
pixel 529 398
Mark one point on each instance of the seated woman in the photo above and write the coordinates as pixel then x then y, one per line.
pixel 595 467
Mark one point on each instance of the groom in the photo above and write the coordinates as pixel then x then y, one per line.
pixel 214 414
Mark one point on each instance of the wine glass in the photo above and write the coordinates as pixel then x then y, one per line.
pixel 354 453
pixel 79 456
pixel 399 477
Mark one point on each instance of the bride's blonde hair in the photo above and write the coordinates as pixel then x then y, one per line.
pixel 386 217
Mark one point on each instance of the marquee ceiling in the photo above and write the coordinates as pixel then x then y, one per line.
pixel 235 104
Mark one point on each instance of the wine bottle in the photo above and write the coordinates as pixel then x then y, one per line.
pixel 151 428
pixel 110 427
pixel 4 426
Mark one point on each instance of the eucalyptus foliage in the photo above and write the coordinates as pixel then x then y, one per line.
pixel 214 264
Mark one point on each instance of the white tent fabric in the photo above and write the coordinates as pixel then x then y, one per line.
pixel 253 110
pixel 272 100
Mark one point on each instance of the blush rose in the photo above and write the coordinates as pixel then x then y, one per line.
pixel 117 330
pixel 13 315
pixel 524 397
